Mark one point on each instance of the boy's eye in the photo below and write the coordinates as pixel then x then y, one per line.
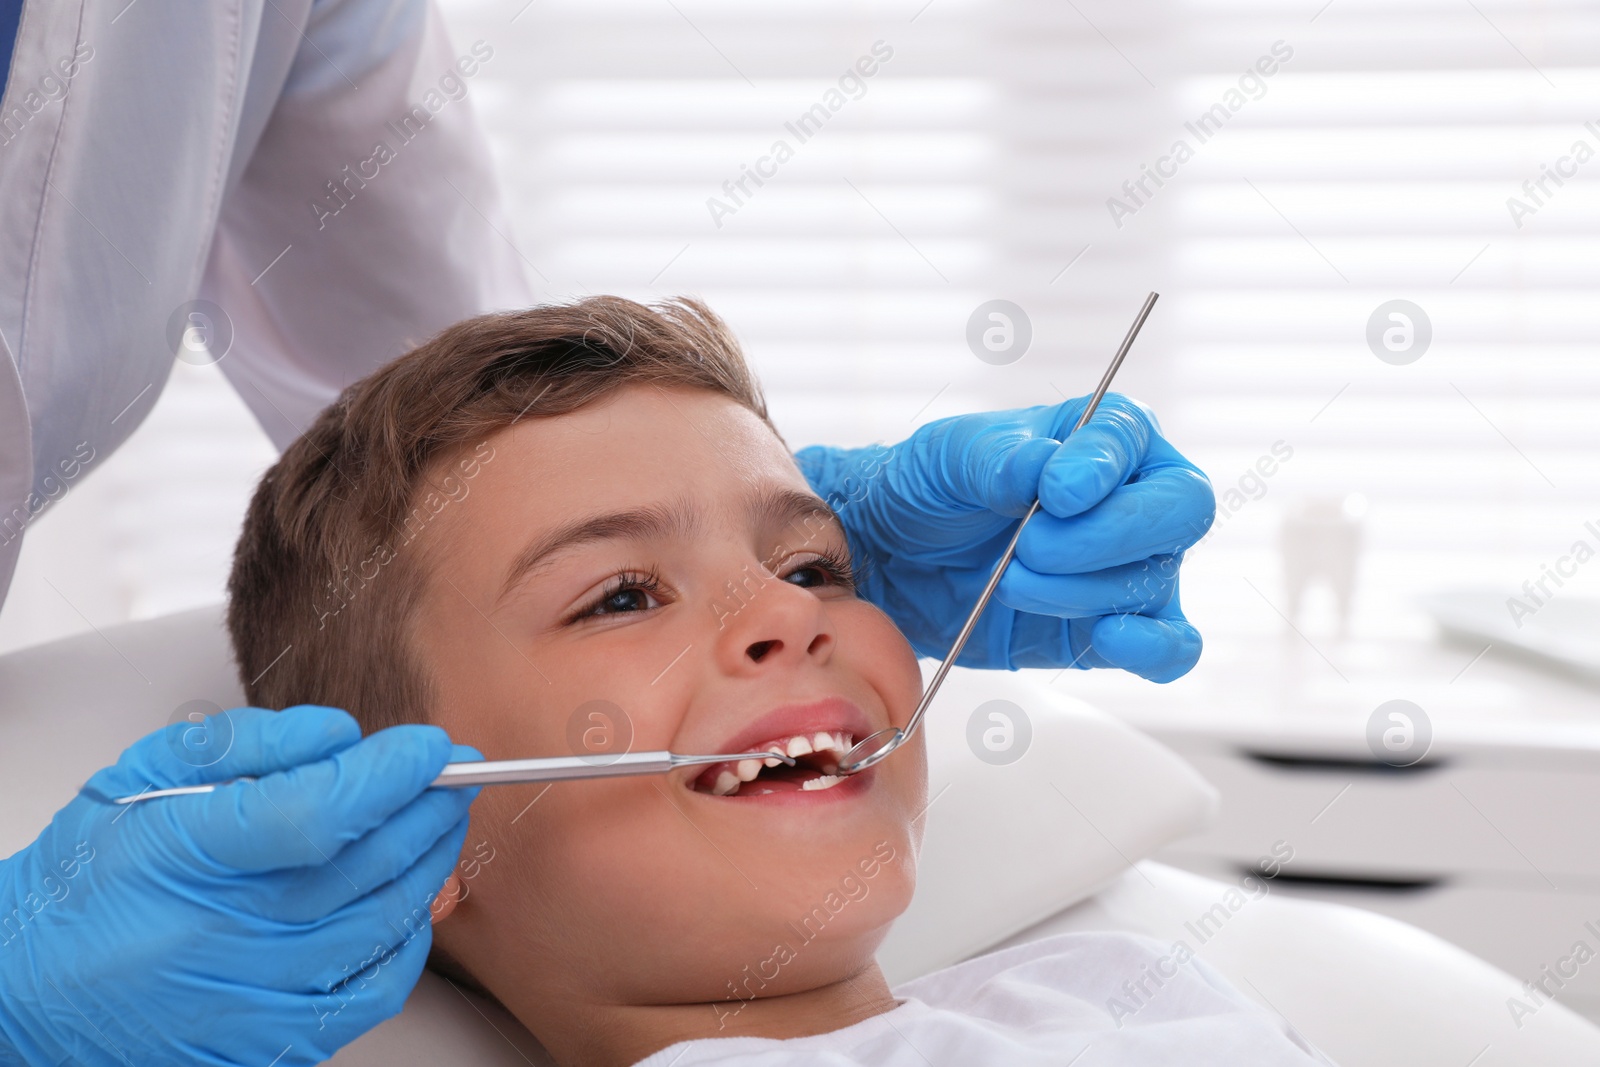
pixel 823 571
pixel 632 593
pixel 630 599
pixel 627 594
pixel 809 577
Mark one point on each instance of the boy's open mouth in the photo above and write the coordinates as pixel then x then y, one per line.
pixel 816 755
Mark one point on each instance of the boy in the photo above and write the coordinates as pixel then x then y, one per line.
pixel 574 529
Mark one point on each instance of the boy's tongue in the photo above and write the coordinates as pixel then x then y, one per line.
pixel 780 779
pixel 723 779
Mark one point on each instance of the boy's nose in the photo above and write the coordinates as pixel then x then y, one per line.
pixel 759 650
pixel 779 622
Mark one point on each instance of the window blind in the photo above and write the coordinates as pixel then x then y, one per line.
pixel 1384 163
pixel 1011 149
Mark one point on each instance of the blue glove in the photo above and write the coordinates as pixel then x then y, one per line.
pixel 274 920
pixel 1095 579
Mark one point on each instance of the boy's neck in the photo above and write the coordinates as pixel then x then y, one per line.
pixel 618 1035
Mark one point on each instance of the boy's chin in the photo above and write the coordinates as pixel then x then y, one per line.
pixel 825 941
pixel 786 967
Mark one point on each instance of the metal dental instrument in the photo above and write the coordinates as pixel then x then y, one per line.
pixel 875 747
pixel 543 769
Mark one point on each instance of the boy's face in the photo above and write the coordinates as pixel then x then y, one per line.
pixel 682 589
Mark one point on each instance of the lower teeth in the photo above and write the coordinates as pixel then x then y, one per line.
pixel 728 784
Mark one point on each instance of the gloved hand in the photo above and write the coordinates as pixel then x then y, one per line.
pixel 266 922
pixel 1095 579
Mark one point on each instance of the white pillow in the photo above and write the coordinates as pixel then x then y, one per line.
pixel 1005 846
pixel 70 707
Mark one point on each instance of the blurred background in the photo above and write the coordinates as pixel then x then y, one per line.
pixel 1375 164
pixel 1377 335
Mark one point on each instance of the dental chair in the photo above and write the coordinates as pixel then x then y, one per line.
pixel 1051 842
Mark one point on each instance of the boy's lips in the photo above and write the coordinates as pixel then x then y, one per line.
pixel 817 734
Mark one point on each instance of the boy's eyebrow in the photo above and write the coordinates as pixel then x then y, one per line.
pixel 679 518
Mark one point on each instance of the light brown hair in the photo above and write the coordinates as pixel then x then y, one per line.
pixel 329 569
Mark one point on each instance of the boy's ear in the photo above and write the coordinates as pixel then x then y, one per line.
pixel 450 895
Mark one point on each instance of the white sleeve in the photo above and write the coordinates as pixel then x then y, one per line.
pixel 367 217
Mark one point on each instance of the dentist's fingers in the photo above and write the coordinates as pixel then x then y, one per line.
pixel 303 816
pixel 1144 587
pixel 239 743
pixel 1159 645
pixel 1009 461
pixel 1160 648
pixel 1115 445
pixel 1164 512
pixel 385 854
pixel 377 924
pixel 1000 468
pixel 1114 478
pixel 375 984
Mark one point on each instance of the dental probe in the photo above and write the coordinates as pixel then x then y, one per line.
pixel 873 748
pixel 542 769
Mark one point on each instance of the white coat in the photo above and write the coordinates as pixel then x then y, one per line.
pixel 312 169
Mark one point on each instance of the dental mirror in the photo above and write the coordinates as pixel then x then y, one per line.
pixel 876 747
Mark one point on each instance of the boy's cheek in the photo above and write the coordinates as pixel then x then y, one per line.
pixel 885 659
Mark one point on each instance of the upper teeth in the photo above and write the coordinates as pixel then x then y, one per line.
pixel 746 770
